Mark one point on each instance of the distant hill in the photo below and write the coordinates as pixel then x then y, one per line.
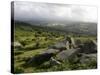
pixel 80 28
pixel 76 28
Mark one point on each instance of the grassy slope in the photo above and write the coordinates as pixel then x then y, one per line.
pixel 29 36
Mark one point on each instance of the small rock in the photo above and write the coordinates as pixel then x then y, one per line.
pixel 17 45
pixel 54 62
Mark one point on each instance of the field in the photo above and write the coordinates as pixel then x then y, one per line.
pixel 30 41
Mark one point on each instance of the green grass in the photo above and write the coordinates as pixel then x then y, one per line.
pixel 35 41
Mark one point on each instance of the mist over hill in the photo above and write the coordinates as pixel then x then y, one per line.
pixel 77 28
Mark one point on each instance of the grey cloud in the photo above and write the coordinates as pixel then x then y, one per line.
pixel 29 11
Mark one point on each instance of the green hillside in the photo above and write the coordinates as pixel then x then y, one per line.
pixel 30 40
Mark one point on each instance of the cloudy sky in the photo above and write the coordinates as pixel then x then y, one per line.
pixel 46 12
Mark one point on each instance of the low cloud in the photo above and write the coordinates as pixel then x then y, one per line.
pixel 30 11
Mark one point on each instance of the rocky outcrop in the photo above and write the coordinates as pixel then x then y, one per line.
pixel 56 54
pixel 67 54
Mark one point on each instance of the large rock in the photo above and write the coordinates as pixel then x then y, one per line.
pixel 89 47
pixel 43 57
pixel 40 59
pixel 68 43
pixel 67 54
pixel 59 46
pixel 78 42
pixel 87 58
